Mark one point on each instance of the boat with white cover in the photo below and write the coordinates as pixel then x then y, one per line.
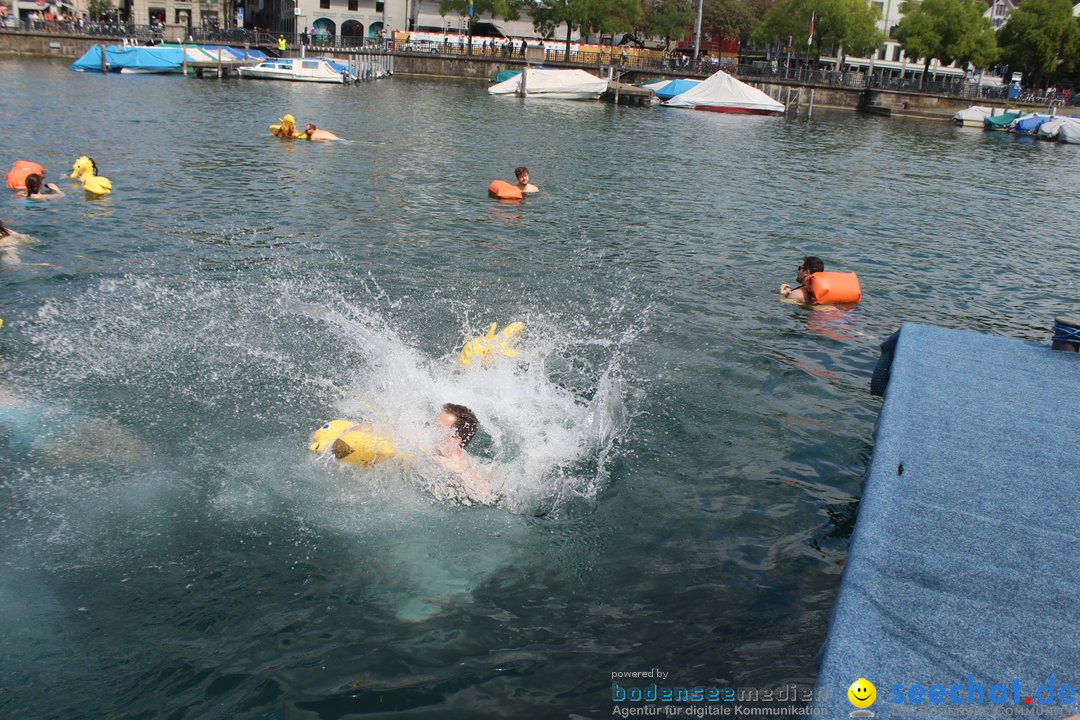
pixel 721 92
pixel 297 70
pixel 554 84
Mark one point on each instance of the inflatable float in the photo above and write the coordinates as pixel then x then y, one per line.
pixel 16 177
pixel 504 190
pixel 287 129
pixel 487 348
pixel 352 443
pixel 833 288
pixel 85 170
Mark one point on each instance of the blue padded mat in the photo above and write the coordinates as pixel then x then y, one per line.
pixel 964 566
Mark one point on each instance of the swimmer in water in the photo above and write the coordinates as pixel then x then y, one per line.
pixel 523 183
pixel 314 133
pixel 33 189
pixel 809 266
pixel 9 245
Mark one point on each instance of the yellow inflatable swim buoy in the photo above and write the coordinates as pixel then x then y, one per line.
pixel 85 170
pixel 352 443
pixel 287 129
pixel 487 348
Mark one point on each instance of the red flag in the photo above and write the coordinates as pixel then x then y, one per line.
pixel 810 39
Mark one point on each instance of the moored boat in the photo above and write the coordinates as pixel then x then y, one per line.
pixel 721 92
pixel 554 84
pixel 297 70
pixel 973 116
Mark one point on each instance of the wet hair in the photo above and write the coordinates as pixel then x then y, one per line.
pixel 813 264
pixel 310 125
pixel 4 232
pixel 519 171
pixel 33 184
pixel 465 422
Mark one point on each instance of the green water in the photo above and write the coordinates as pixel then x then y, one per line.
pixel 682 452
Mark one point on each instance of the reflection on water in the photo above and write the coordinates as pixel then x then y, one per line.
pixel 684 450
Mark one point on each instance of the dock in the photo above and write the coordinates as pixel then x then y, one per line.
pixel 621 93
pixel 962 582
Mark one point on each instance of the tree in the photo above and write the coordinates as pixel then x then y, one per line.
pixel 1042 39
pixel 100 9
pixel 848 25
pixel 729 18
pixel 505 9
pixel 550 14
pixel 607 17
pixel 668 19
pixel 948 31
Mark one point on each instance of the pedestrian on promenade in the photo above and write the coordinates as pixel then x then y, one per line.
pixel 282 45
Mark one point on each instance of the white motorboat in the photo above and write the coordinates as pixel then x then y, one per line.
pixel 973 116
pixel 297 70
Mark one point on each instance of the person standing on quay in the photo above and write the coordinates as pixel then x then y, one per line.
pixel 282 46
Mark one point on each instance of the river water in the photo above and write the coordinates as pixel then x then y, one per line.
pixel 681 451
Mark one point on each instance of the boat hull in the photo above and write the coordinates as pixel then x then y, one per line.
pixel 734 110
pixel 264 75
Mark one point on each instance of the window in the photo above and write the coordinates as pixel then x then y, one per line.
pixel 379 5
pixel 324 4
pixel 354 5
pixel 896 53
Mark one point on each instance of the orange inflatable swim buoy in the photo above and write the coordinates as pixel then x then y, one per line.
pixel 504 190
pixel 833 288
pixel 16 177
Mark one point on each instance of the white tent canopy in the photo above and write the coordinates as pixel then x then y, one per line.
pixel 724 93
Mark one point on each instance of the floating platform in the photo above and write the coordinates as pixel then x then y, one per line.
pixel 963 578
pixel 627 94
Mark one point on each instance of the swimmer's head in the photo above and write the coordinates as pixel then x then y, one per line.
pixel 4 232
pixel 811 264
pixel 33 184
pixel 522 174
pixel 310 128
pixel 462 420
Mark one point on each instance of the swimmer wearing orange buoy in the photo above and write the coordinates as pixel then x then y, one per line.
pixel 506 191
pixel 817 287
pixel 16 176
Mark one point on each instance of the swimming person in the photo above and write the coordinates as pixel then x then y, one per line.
pixel 468 483
pixel 9 245
pixel 523 184
pixel 314 133
pixel 809 266
pixel 33 189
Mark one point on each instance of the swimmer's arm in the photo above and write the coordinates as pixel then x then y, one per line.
pixel 797 295
pixel 56 191
pixel 530 188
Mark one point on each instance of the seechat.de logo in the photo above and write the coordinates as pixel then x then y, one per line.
pixel 862 694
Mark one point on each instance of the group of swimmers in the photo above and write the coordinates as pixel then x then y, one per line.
pixel 287 129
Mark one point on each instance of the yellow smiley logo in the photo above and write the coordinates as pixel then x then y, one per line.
pixel 862 693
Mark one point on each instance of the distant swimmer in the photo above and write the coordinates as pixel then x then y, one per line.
pixel 523 183
pixel 314 133
pixel 817 287
pixel 34 191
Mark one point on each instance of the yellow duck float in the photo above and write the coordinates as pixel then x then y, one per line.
pixel 287 129
pixel 85 171
pixel 488 348
pixel 352 443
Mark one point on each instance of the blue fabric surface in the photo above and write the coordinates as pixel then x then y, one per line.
pixel 676 87
pixel 966 564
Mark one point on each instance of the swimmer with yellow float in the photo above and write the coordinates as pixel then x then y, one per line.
pixel 359 443
pixel 287 130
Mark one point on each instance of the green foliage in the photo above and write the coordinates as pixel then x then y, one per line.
pixel 947 30
pixel 1042 39
pixel 730 18
pixel 607 17
pixel 505 9
pixel 100 9
pixel 667 18
pixel 851 24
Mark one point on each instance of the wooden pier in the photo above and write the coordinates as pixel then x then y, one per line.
pixel 627 94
